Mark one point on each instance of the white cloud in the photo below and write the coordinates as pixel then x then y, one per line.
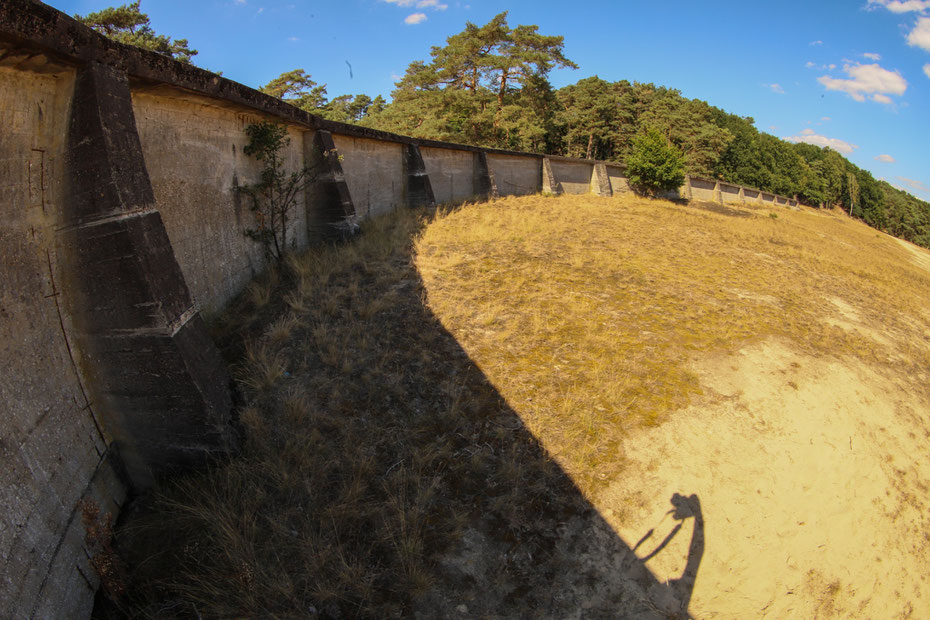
pixel 867 80
pixel 400 2
pixel 901 6
pixel 811 137
pixel 914 184
pixel 888 159
pixel 872 56
pixel 415 18
pixel 825 118
pixel 818 42
pixel 920 35
pixel 810 65
pixel 927 70
pixel 239 1
pixel 292 39
pixel 776 88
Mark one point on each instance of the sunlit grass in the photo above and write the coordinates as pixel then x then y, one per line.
pixel 587 313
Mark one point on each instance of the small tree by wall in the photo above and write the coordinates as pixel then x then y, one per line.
pixel 274 196
pixel 654 165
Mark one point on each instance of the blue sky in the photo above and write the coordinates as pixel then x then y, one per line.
pixel 853 75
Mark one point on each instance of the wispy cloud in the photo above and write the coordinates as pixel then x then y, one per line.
pixel 888 159
pixel 920 35
pixel 420 4
pixel 927 70
pixel 775 88
pixel 415 18
pixel 825 118
pixel 817 42
pixel 872 56
pixel 918 185
pixel 865 80
pixel 811 137
pixel 901 6
pixel 292 39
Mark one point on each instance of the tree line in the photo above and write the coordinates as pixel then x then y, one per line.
pixel 488 86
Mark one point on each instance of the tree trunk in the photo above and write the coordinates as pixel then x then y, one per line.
pixel 590 145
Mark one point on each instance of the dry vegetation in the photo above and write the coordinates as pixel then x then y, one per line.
pixel 398 463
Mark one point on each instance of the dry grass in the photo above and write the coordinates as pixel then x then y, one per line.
pixel 586 313
pixel 373 437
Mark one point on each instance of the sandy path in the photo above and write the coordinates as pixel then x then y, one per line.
pixel 813 478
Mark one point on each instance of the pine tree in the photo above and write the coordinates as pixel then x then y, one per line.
pixel 128 24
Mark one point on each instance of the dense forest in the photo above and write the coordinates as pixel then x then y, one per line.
pixel 488 86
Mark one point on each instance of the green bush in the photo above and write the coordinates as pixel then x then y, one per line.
pixel 654 165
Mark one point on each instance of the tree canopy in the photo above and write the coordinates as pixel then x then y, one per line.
pixel 128 24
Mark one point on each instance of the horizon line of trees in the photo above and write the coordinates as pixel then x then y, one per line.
pixel 488 86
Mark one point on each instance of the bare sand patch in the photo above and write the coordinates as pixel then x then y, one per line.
pixel 813 478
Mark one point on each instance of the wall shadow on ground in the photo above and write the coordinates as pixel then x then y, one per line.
pixel 438 498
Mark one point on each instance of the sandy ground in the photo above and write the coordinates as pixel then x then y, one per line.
pixel 813 479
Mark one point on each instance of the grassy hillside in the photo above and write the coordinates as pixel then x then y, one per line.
pixel 445 414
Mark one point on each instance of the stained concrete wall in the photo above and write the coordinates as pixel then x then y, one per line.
pixel 53 453
pixel 730 193
pixel 451 173
pixel 619 183
pixel 193 151
pixel 573 177
pixel 516 175
pixel 374 171
pixel 751 195
pixel 702 189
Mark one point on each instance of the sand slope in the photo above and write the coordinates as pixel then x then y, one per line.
pixel 813 478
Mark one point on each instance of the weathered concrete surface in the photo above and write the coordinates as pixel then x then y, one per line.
pixel 730 194
pixel 751 195
pixel 193 152
pixel 374 172
pixel 600 182
pixel 573 176
pixel 151 369
pixel 451 174
pixel 550 184
pixel 329 206
pixel 484 181
pixel 419 190
pixel 767 197
pixel 618 181
pixel 53 452
pixel 702 189
pixel 516 175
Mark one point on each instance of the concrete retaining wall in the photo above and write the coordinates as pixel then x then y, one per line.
pixel 451 173
pixel 516 175
pixel 702 189
pixel 374 172
pixel 618 181
pixel 730 193
pixel 119 224
pixel 573 177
